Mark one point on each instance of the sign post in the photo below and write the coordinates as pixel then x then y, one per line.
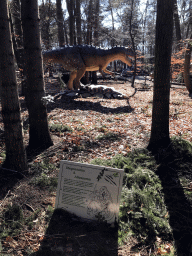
pixel 89 191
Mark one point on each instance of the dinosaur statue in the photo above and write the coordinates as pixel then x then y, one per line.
pixel 81 58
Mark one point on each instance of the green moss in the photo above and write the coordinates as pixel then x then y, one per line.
pixel 142 209
pixel 108 136
pixel 42 167
pixel 49 213
pixel 60 128
pixel 42 175
pixel 43 181
pixel 12 221
pixel 29 222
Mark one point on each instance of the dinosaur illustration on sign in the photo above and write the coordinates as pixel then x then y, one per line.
pixel 81 58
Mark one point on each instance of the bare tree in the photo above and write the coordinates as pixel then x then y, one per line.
pixel 96 34
pixel 163 46
pixel 48 23
pixel 17 33
pixel 70 8
pixel 132 36
pixel 90 23
pixel 15 151
pixel 177 22
pixel 60 23
pixel 78 22
pixel 186 73
pixel 39 136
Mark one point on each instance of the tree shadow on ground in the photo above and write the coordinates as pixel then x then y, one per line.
pixel 67 103
pixel 8 179
pixel 68 235
pixel 178 205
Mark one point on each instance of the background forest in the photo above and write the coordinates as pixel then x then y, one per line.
pixel 109 23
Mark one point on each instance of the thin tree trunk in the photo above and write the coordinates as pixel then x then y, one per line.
pixel 15 151
pixel 17 30
pixel 177 24
pixel 78 22
pixel 89 23
pixel 89 35
pixel 65 32
pixel 133 42
pixel 187 79
pixel 39 136
pixel 60 23
pixel 70 8
pixel 96 35
pixel 190 19
pixel 163 46
pixel 17 36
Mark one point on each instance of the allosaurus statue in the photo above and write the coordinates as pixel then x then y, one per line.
pixel 81 58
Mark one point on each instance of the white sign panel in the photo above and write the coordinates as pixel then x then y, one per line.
pixel 89 191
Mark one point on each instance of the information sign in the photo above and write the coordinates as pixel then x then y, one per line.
pixel 89 191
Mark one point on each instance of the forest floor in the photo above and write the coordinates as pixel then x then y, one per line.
pixel 82 129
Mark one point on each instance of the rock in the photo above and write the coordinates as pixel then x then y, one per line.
pixel 115 95
pixel 97 91
pixel 72 94
pixel 98 95
pixel 85 94
pixel 108 95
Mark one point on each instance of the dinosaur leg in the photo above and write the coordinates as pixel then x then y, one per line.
pixel 71 79
pixel 109 72
pixel 80 74
pixel 104 70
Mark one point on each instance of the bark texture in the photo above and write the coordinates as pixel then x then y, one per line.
pixel 39 136
pixel 161 96
pixel 15 151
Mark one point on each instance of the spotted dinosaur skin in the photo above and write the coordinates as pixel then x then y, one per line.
pixel 81 58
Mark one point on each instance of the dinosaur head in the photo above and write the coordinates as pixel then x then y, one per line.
pixel 125 55
pixel 129 54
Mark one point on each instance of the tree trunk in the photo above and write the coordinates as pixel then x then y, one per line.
pixel 78 22
pixel 96 35
pixel 187 79
pixel 17 29
pixel 89 23
pixel 177 23
pixel 39 136
pixel 189 25
pixel 163 44
pixel 15 151
pixel 89 35
pixel 60 23
pixel 133 41
pixel 46 12
pixel 70 8
pixel 65 32
pixel 17 36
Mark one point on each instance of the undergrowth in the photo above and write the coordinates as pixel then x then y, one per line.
pixel 108 136
pixel 42 175
pixel 143 212
pixel 13 220
pixel 60 128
